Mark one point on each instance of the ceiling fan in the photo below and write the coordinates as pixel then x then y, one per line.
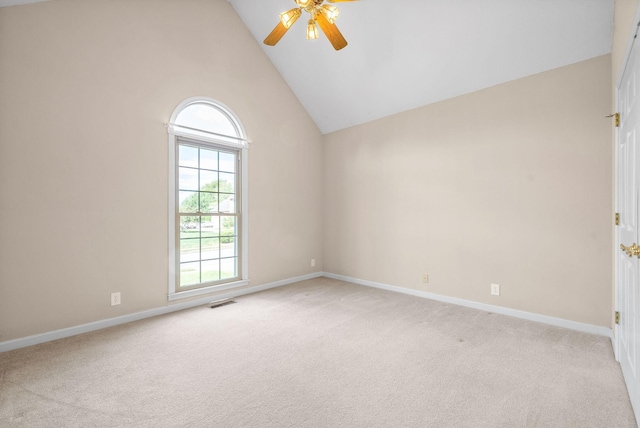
pixel 323 14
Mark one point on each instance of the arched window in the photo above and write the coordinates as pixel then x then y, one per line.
pixel 207 199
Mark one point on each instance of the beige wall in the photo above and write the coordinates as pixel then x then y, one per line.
pixel 509 185
pixel 85 87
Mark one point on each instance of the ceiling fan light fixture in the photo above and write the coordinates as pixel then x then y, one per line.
pixel 322 17
pixel 312 30
pixel 330 12
pixel 289 17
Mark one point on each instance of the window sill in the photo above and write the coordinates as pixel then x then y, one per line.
pixel 205 290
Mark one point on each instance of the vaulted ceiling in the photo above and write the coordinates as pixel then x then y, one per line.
pixel 406 54
pixel 409 53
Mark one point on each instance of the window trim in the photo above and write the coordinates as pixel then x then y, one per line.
pixel 241 144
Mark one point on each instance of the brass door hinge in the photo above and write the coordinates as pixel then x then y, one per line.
pixel 617 219
pixel 616 117
pixel 617 317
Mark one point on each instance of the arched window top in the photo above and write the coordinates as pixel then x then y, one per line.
pixel 208 232
pixel 204 117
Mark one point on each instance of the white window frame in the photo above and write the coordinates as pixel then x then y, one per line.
pixel 239 143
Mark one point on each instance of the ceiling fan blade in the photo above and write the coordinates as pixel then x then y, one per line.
pixel 331 31
pixel 275 36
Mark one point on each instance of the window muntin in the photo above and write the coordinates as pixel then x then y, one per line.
pixel 208 159
pixel 207 214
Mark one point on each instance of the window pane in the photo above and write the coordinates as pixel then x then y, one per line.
pixel 187 156
pixel 210 248
pixel 189 227
pixel 211 271
pixel 215 226
pixel 228 248
pixel 188 202
pixel 188 179
pixel 228 226
pixel 189 250
pixel 206 227
pixel 227 203
pixel 206 117
pixel 208 202
pixel 227 182
pixel 228 268
pixel 208 180
pixel 227 162
pixel 208 159
pixel 189 273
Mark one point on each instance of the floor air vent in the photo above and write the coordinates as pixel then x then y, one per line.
pixel 221 302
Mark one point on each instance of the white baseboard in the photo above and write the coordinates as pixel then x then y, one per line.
pixel 544 319
pixel 97 325
pixel 23 342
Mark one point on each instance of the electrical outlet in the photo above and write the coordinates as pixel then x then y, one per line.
pixel 425 278
pixel 495 289
pixel 313 262
pixel 115 299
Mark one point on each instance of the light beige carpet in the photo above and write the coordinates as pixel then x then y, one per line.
pixel 321 353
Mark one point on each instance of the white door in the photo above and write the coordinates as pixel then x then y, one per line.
pixel 627 278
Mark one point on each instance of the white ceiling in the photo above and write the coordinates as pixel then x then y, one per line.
pixel 409 53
